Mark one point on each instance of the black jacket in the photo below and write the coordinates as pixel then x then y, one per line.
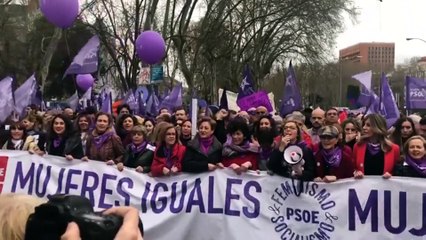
pixel 196 161
pixel 142 159
pixel 277 164
pixel 73 147
pixel 406 171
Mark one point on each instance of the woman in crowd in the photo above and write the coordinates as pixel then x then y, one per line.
pixel 351 132
pixel 333 160
pixel 124 127
pixel 415 158
pixel 404 129
pixel 149 125
pixel 204 152
pixel 82 125
pixel 139 153
pixel 238 152
pixel 63 140
pixel 292 136
pixel 185 132
pixel 123 109
pixel 264 133
pixel 30 122
pixel 103 144
pixel 17 139
pixel 168 154
pixel 375 154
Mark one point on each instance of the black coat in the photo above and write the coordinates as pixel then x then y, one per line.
pixel 196 161
pixel 277 164
pixel 142 159
pixel 406 171
pixel 73 147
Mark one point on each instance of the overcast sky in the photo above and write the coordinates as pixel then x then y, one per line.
pixel 388 21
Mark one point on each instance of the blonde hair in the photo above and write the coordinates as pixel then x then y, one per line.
pixel 14 212
pixel 378 127
pixel 407 143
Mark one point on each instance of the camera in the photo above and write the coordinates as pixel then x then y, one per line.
pixel 50 220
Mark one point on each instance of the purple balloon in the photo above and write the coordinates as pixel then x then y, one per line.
pixel 85 81
pixel 150 47
pixel 61 13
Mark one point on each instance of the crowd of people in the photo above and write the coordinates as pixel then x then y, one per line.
pixel 333 148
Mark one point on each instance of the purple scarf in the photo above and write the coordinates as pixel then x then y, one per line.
pixel 230 149
pixel 168 154
pixel 101 139
pixel 332 157
pixel 57 142
pixel 418 165
pixel 205 144
pixel 138 148
pixel 373 148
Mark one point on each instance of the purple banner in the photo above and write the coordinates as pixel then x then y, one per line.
pixel 256 99
pixel 415 93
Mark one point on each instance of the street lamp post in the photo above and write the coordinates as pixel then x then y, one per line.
pixel 420 39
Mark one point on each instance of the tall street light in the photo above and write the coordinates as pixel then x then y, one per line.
pixel 420 39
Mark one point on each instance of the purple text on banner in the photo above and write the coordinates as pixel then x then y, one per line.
pixel 256 99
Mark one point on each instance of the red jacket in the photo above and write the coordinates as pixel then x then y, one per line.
pixel 159 161
pixel 344 170
pixel 391 157
pixel 240 159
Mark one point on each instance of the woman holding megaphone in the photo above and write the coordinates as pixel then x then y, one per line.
pixel 297 161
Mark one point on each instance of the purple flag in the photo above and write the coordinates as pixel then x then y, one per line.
pixel 389 109
pixel 292 100
pixel 257 99
pixel 141 106
pixel 415 93
pixel 86 61
pixel 106 106
pixel 152 105
pixel 174 99
pixel 131 99
pixel 366 97
pixel 246 86
pixel 87 97
pixel 24 94
pixel 6 98
pixel 73 101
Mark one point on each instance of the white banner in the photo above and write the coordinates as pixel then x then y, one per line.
pixel 222 205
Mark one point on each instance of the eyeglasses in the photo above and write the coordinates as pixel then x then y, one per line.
pixel 350 130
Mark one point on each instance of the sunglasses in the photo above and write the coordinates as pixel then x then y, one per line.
pixel 327 137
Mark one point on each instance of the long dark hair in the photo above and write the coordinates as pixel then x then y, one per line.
pixel 69 129
pixel 265 137
pixel 396 135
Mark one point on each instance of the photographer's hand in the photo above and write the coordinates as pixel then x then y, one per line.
pixel 72 232
pixel 130 228
pixel 128 231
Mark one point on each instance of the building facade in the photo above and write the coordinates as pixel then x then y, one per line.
pixel 379 56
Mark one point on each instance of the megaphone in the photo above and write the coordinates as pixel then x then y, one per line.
pixel 293 156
